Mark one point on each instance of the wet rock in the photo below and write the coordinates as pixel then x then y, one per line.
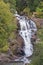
pixel 18 25
pixel 20 52
pixel 20 40
pixel 16 46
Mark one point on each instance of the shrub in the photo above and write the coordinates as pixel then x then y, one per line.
pixel 7 25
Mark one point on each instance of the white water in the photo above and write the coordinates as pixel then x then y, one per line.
pixel 26 33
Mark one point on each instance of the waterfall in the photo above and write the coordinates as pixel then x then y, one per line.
pixel 25 33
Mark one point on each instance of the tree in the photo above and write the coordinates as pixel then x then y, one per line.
pixel 6 25
pixel 39 10
pixel 32 4
pixel 20 5
pixel 12 4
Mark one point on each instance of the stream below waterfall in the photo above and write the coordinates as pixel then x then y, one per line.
pixel 25 32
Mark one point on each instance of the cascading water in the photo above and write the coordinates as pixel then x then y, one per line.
pixel 25 33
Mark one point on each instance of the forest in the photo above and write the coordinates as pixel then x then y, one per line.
pixel 8 24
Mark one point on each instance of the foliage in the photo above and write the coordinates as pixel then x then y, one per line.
pixel 20 5
pixel 6 24
pixel 26 11
pixel 12 4
pixel 39 10
pixel 32 4
pixel 38 50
